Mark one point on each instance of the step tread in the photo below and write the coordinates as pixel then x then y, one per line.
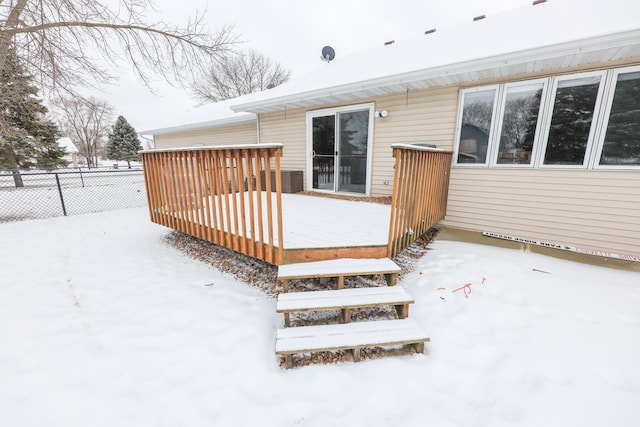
pixel 342 298
pixel 338 267
pixel 348 335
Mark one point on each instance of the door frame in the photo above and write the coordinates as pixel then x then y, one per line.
pixel 309 143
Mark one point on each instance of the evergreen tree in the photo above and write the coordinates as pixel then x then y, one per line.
pixel 27 138
pixel 123 142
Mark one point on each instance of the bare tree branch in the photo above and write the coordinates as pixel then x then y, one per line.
pixel 71 43
pixel 237 75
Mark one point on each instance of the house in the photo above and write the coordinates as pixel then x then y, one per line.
pixel 71 151
pixel 540 105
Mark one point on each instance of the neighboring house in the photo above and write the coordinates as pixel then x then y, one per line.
pixel 71 152
pixel 541 106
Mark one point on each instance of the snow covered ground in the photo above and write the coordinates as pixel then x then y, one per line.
pixel 102 324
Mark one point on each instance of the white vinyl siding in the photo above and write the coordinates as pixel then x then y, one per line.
pixel 245 133
pixel 287 128
pixel 583 208
pixel 426 116
pixel 421 116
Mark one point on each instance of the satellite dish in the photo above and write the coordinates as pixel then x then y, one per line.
pixel 328 53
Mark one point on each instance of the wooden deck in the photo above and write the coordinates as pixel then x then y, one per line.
pixel 225 195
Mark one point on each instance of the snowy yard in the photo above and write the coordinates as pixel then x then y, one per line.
pixel 103 324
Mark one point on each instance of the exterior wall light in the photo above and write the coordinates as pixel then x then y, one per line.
pixel 382 113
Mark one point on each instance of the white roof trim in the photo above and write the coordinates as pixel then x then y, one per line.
pixel 433 76
pixel 244 118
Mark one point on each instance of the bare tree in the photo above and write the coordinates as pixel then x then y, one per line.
pixel 239 74
pixel 87 123
pixel 58 41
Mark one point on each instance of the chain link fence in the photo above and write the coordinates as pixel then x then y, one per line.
pixel 69 192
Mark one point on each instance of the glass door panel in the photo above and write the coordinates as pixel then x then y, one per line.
pixel 352 153
pixel 324 152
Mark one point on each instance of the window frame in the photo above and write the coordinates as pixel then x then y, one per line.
pixel 597 132
pixel 496 98
pixel 539 125
pixel 612 83
pixel 597 108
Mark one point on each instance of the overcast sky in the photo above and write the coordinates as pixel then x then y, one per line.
pixel 292 32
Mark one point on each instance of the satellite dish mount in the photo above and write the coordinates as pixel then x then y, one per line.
pixel 328 54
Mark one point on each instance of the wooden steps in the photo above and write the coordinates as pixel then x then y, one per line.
pixel 339 268
pixel 347 335
pixel 345 300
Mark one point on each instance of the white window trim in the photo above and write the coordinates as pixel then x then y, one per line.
pixel 491 130
pixel 309 143
pixel 604 121
pixel 539 126
pixel 549 115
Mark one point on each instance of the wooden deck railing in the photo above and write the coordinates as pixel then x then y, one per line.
pixel 420 189
pixel 220 194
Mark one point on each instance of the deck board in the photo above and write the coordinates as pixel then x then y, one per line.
pixel 321 222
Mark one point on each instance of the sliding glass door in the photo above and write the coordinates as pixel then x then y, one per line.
pixel 340 152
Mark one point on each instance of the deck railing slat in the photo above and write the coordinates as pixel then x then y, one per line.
pixel 280 254
pixel 258 168
pixel 243 220
pixel 252 250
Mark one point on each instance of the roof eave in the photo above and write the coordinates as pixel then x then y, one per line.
pixel 245 118
pixel 432 77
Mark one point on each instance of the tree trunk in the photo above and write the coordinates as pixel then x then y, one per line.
pixel 129 164
pixel 17 178
pixel 12 21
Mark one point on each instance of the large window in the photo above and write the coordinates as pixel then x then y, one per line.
pixel 519 127
pixel 477 120
pixel 621 145
pixel 572 116
pixel 573 121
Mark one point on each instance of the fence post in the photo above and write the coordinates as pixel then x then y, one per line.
pixel 81 178
pixel 64 210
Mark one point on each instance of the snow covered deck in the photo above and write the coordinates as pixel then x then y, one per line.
pixel 321 222
pixel 232 196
